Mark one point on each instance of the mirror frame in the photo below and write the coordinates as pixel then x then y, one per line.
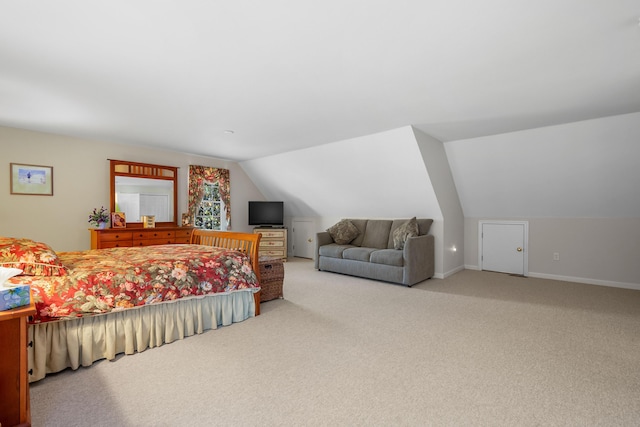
pixel 144 170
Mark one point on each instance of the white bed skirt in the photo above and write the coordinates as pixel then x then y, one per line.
pixel 80 342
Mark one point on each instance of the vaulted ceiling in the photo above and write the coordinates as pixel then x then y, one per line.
pixel 245 79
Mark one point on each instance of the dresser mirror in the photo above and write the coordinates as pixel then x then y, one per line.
pixel 143 189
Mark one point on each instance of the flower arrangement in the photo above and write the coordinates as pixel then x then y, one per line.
pixel 98 217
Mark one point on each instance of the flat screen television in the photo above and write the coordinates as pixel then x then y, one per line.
pixel 269 214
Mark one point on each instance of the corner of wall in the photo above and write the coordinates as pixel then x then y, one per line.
pixel 450 247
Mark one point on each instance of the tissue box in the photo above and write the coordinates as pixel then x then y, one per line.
pixel 12 296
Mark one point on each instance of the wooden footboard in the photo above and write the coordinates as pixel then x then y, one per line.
pixel 243 242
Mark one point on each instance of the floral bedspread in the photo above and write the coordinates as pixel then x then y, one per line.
pixel 105 280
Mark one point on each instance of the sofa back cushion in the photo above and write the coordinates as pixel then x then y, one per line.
pixel 361 225
pixel 424 225
pixel 383 229
pixel 376 234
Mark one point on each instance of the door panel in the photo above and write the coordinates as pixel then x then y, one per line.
pixel 303 239
pixel 503 247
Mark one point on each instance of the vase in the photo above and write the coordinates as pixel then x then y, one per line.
pixel 102 225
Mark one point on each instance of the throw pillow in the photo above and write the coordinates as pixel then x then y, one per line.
pixel 406 230
pixel 33 258
pixel 343 232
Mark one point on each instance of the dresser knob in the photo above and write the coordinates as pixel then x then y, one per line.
pixel 30 371
pixel 30 344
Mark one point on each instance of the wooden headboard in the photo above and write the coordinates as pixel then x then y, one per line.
pixel 243 242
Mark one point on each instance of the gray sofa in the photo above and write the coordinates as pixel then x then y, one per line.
pixel 372 254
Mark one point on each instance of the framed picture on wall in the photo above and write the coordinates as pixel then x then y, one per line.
pixel 33 180
pixel 118 220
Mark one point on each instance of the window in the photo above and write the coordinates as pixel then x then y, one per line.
pixel 209 199
pixel 211 208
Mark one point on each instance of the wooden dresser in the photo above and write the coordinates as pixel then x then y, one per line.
pixel 123 237
pixel 273 242
pixel 14 380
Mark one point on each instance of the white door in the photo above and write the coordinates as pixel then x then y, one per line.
pixel 503 246
pixel 303 238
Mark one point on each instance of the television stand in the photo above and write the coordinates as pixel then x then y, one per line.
pixel 273 242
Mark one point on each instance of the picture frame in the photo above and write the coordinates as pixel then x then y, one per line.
pixel 118 220
pixel 33 180
pixel 186 220
pixel 148 221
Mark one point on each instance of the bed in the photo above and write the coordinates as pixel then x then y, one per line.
pixel 97 304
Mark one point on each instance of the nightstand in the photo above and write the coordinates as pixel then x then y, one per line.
pixel 14 380
pixel 273 242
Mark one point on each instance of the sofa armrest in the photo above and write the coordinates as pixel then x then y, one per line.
pixel 419 259
pixel 322 238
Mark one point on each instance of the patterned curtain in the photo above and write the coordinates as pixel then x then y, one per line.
pixel 200 174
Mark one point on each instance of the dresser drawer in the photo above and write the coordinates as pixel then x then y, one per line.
pixel 112 237
pixel 115 244
pixel 275 234
pixel 278 253
pixel 151 242
pixel 183 234
pixel 271 243
pixel 154 234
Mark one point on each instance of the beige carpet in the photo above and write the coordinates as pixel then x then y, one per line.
pixel 478 348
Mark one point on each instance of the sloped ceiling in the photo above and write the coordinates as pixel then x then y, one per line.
pixel 577 170
pixel 374 176
pixel 290 74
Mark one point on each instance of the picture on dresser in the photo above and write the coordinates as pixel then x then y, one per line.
pixel 118 220
pixel 148 221
pixel 186 220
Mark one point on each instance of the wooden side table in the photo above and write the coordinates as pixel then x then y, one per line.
pixel 14 380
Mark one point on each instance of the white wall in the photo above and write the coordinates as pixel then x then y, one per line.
pixel 578 186
pixel 379 175
pixel 81 183
pixel 577 170
pixel 599 251
pixel 435 159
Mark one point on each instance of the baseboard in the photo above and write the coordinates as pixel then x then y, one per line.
pixel 451 272
pixel 635 286
pixel 454 271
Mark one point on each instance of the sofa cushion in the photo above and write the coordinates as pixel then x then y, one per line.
pixel 358 254
pixel 402 233
pixel 361 225
pixel 387 257
pixel 424 225
pixel 377 233
pixel 333 250
pixel 343 232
